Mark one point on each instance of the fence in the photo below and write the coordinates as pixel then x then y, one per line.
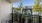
pixel 32 19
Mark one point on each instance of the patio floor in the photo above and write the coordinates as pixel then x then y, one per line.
pixel 16 22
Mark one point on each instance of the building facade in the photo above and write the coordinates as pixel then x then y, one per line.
pixel 6 10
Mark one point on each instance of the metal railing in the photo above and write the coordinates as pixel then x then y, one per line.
pixel 32 19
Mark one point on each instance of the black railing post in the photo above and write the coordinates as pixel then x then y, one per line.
pixel 12 15
pixel 31 11
pixel 39 19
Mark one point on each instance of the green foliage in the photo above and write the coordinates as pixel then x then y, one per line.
pixel 37 6
pixel 18 9
pixel 20 6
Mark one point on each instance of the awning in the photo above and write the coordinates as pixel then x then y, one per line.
pixel 15 1
pixel 11 1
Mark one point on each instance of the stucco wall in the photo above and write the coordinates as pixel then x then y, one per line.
pixel 0 11
pixel 6 9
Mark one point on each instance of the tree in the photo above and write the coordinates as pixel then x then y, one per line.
pixel 37 6
pixel 20 6
pixel 25 10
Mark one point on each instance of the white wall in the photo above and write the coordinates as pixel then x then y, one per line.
pixel 36 13
pixel 6 9
pixel 0 11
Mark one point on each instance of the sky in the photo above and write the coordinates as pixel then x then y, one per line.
pixel 25 3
